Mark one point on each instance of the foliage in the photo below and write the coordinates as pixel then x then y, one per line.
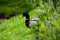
pixel 17 6
pixel 49 28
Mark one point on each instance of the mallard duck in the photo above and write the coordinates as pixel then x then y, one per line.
pixel 29 22
pixel 32 23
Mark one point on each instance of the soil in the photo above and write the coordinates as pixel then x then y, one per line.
pixel 4 17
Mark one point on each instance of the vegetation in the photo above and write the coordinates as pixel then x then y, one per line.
pixel 17 6
pixel 15 29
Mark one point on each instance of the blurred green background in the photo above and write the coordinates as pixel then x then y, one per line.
pixel 48 11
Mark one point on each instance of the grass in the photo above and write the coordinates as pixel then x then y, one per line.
pixel 15 29
pixel 18 6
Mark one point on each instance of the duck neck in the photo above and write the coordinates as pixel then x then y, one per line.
pixel 27 17
pixel 27 22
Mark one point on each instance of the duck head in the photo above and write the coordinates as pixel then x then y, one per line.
pixel 26 14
